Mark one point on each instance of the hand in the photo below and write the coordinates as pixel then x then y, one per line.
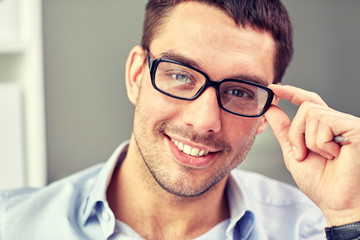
pixel 327 172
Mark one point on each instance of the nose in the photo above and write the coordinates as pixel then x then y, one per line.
pixel 203 113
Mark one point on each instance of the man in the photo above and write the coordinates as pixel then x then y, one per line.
pixel 203 87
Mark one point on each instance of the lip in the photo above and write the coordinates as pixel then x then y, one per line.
pixel 190 161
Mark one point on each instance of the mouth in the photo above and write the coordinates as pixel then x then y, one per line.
pixel 188 150
pixel 193 156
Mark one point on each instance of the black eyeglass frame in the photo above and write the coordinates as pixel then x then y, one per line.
pixel 154 63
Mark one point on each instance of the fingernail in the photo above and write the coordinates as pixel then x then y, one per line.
pixel 329 157
pixel 296 152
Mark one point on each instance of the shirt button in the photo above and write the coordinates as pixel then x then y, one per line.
pixel 106 216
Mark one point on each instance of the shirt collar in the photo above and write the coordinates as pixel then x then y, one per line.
pixel 238 202
pixel 97 193
pixel 241 215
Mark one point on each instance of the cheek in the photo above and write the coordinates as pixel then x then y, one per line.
pixel 155 106
pixel 240 129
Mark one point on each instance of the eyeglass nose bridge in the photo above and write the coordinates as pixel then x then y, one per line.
pixel 209 83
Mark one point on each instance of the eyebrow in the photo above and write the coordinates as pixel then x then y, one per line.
pixel 175 56
pixel 251 78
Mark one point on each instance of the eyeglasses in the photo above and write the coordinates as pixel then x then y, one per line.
pixel 182 81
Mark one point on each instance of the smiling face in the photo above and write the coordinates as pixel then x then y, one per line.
pixel 189 146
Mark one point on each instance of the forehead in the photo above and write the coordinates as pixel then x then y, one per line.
pixel 211 38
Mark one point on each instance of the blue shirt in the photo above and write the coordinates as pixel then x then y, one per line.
pixel 76 208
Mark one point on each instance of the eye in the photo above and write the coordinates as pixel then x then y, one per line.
pixel 181 78
pixel 239 93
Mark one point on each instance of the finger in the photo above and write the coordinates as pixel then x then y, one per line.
pixel 325 140
pixel 303 129
pixel 296 95
pixel 314 128
pixel 280 124
pixel 341 124
pixel 311 129
pixel 306 100
pixel 317 138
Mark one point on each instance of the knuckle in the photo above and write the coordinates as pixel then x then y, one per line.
pixel 325 119
pixel 321 144
pixel 306 106
pixel 294 135
pixel 314 96
pixel 311 143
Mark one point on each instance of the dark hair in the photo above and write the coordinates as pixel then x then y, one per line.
pixel 268 15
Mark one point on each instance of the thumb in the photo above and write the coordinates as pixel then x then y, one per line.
pixel 280 124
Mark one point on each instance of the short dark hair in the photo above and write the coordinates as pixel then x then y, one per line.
pixel 268 15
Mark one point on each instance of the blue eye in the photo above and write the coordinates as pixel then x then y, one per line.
pixel 181 78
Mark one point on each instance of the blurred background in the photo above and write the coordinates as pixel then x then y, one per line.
pixel 85 46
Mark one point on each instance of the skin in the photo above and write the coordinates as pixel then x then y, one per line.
pixel 327 172
pixel 151 183
pixel 160 197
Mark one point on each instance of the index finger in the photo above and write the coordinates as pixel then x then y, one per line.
pixel 296 95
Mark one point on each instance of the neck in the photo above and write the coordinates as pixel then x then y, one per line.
pixel 137 199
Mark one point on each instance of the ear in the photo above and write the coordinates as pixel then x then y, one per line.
pixel 134 72
pixel 264 123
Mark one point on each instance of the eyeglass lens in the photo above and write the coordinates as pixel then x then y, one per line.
pixel 185 83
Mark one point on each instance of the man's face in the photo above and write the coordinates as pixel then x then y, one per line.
pixel 168 130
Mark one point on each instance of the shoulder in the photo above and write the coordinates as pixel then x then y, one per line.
pixel 277 205
pixel 58 204
pixel 72 187
pixel 15 194
pixel 267 190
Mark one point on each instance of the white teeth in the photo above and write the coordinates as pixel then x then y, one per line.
pixel 187 149
pixel 181 146
pixel 195 152
pixel 202 153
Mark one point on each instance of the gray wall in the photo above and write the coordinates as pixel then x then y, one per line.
pixel 86 45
